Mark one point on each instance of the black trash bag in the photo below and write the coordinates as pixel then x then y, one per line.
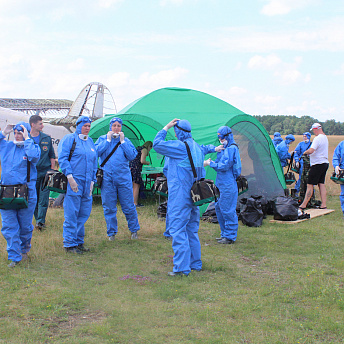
pixel 252 213
pixel 285 208
pixel 162 210
pixel 210 214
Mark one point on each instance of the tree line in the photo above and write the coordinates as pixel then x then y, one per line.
pixel 298 125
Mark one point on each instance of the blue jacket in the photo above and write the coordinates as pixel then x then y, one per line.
pixel 14 161
pixel 338 156
pixel 118 164
pixel 83 164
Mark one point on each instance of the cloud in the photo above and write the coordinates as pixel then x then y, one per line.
pixel 280 7
pixel 108 3
pixel 267 62
pixel 285 73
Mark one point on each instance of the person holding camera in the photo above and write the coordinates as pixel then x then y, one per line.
pixel 18 163
pixel 338 164
pixel 117 178
pixel 77 158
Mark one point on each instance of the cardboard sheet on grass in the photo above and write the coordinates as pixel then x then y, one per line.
pixel 312 212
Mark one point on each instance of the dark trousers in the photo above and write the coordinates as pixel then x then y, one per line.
pixel 42 201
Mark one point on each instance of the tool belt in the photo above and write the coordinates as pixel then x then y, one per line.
pixel 14 196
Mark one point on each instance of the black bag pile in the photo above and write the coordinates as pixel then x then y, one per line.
pixel 162 210
pixel 285 208
pixel 210 214
pixel 251 213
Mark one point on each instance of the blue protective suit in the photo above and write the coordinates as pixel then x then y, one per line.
pixel 226 182
pixel 167 230
pixel 117 182
pixel 299 150
pixel 282 150
pixel 183 216
pixel 277 139
pixel 83 166
pixel 17 224
pixel 338 160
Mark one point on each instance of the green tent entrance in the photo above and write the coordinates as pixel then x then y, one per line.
pixel 143 118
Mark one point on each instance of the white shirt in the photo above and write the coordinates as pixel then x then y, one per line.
pixel 320 146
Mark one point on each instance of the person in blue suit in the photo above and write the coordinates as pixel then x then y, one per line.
pixel 283 149
pixel 81 171
pixel 183 216
pixel 228 168
pixel 299 150
pixel 277 139
pixel 117 181
pixel 338 163
pixel 15 156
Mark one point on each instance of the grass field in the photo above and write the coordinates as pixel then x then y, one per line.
pixel 278 284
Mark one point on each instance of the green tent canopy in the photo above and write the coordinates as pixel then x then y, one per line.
pixel 143 118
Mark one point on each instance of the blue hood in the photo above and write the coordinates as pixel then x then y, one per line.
pixel 115 119
pixel 289 139
pixel 307 134
pixel 276 135
pixel 225 132
pixel 19 128
pixel 183 130
pixel 80 122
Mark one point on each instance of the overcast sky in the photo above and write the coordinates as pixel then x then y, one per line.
pixel 261 56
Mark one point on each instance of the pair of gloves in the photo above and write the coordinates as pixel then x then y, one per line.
pixel 110 135
pixel 217 149
pixel 74 185
pixel 9 128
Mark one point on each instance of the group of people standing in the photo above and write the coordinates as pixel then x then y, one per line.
pixel 78 158
pixel 311 159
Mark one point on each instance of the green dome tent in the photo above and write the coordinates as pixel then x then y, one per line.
pixel 143 118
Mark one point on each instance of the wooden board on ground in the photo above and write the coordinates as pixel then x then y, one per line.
pixel 312 212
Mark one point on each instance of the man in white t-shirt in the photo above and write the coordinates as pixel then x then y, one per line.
pixel 318 154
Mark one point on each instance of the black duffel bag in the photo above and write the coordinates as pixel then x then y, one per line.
pixel 203 190
pixel 285 208
pixel 14 196
pixel 160 186
pixel 251 213
pixel 55 181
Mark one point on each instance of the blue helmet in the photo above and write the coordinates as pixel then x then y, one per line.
pixel 183 130
pixel 80 122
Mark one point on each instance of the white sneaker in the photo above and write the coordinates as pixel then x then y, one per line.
pixel 112 238
pixel 134 236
